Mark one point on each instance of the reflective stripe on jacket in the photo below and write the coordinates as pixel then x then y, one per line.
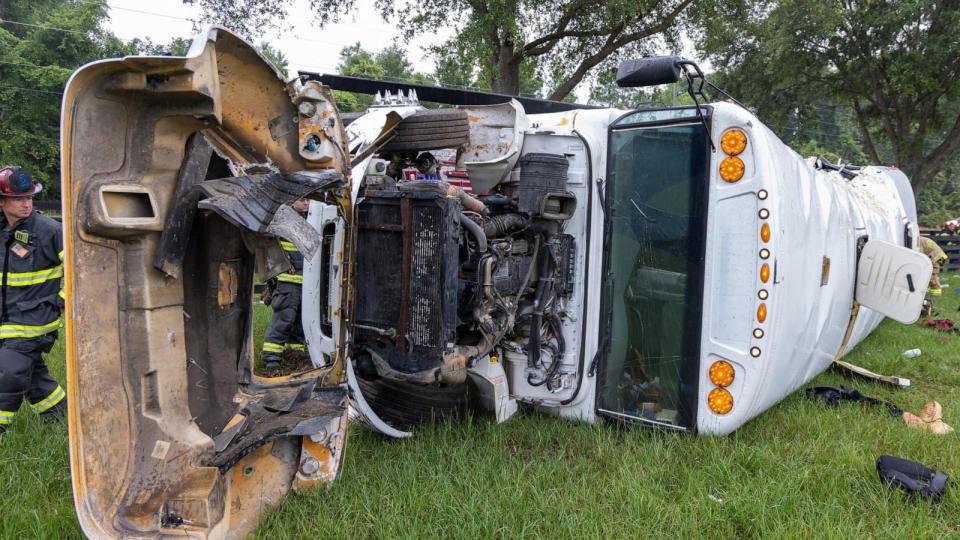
pixel 32 277
pixel 296 259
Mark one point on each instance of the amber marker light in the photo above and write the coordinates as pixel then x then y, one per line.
pixel 765 233
pixel 765 273
pixel 733 142
pixel 761 312
pixel 720 400
pixel 731 169
pixel 721 373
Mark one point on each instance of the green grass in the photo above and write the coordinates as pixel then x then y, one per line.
pixel 799 470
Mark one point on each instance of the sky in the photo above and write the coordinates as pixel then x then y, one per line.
pixel 307 47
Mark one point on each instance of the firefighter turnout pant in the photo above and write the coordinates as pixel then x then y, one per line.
pixel 24 374
pixel 286 327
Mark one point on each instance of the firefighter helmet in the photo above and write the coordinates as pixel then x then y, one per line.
pixel 17 182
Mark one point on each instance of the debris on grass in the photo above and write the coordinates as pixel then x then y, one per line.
pixel 944 325
pixel 930 419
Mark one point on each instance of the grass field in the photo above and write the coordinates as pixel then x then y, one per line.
pixel 799 470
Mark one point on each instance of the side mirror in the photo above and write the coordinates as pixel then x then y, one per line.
pixel 649 71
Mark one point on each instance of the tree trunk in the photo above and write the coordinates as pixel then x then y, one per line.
pixel 506 75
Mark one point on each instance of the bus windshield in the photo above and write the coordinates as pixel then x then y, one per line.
pixel 654 272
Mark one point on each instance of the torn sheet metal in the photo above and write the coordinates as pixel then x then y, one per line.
pixel 263 425
pixel 258 203
pixel 250 202
pixel 291 226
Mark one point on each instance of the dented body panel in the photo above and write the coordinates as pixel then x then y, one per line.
pixel 170 431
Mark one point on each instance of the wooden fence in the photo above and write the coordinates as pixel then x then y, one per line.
pixel 950 244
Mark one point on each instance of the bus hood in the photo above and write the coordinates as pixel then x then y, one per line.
pixel 171 432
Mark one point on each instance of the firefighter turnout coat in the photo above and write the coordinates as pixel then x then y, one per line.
pixel 286 326
pixel 32 300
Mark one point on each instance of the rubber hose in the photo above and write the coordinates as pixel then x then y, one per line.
pixel 476 231
pixel 500 225
pixel 534 346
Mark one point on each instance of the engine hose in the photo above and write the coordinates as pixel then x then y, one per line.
pixel 497 200
pixel 530 271
pixel 533 351
pixel 476 231
pixel 498 226
pixel 561 345
pixel 468 201
pixel 533 345
pixel 488 277
pixel 557 352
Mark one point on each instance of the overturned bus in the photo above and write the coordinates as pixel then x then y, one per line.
pixel 675 268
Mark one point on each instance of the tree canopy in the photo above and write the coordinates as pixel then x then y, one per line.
pixel 41 43
pixel 499 42
pixel 889 68
pixel 391 63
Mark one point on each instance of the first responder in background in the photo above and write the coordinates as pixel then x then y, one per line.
pixel 32 300
pixel 286 326
pixel 938 258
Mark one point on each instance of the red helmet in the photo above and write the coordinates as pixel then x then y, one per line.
pixel 17 182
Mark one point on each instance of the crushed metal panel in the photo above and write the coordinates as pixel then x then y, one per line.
pixel 158 362
pixel 258 203
pixel 290 225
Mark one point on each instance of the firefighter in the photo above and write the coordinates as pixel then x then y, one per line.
pixel 938 258
pixel 286 326
pixel 32 300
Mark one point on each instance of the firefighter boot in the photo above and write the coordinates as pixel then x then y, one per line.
pixel 56 413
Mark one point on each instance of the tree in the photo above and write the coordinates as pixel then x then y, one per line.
pixel 391 64
pixel 893 66
pixel 940 199
pixel 41 43
pixel 498 39
pixel 275 56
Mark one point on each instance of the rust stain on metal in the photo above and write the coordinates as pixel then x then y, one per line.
pixel 258 481
pixel 228 283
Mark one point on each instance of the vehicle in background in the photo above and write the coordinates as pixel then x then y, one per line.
pixel 676 268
